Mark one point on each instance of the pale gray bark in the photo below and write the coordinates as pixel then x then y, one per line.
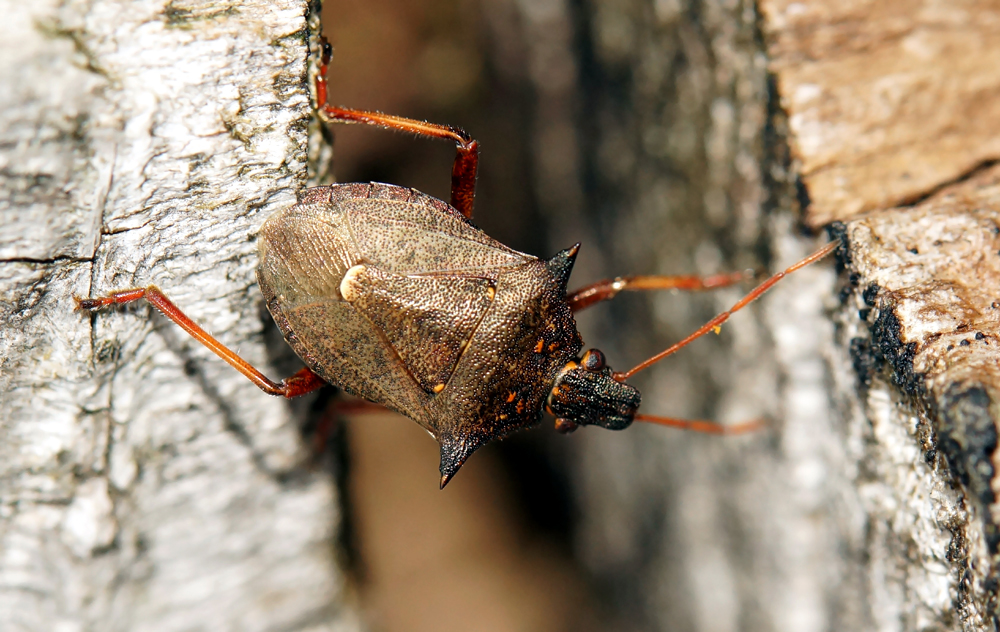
pixel 144 484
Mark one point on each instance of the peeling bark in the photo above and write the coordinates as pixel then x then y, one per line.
pixel 144 484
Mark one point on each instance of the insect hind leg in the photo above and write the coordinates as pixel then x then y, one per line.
pixel 466 166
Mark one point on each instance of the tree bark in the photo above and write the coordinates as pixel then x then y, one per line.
pixel 145 485
pixel 704 136
pixel 892 109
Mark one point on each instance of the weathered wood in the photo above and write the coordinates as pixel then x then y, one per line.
pixel 145 485
pixel 887 101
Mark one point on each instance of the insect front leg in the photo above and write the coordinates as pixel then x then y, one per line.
pixel 305 381
pixel 466 166
pixel 715 323
pixel 605 290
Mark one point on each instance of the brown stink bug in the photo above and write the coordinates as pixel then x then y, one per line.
pixel 396 297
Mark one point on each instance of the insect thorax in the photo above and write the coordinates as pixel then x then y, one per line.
pixel 504 377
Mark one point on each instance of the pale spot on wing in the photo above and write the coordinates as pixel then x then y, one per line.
pixel 349 284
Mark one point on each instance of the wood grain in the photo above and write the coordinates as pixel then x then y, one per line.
pixel 887 101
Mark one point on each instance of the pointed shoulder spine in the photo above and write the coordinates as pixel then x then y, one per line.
pixel 561 265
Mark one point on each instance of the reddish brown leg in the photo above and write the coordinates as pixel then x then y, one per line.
pixel 609 288
pixel 705 427
pixel 305 381
pixel 713 324
pixel 356 407
pixel 708 427
pixel 331 416
pixel 463 172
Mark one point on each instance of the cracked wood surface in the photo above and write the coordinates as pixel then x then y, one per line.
pixel 891 114
pixel 144 485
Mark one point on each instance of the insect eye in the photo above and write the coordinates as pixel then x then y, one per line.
pixel 593 360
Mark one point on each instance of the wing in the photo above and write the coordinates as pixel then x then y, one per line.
pixel 406 232
pixel 343 348
pixel 304 253
pixel 423 281
pixel 427 320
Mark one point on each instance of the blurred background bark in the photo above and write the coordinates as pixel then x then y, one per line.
pixel 640 129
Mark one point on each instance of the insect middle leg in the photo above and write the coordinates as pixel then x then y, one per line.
pixel 609 288
pixel 466 165
pixel 305 381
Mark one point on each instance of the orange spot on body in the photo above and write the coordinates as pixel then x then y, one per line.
pixel 539 346
pixel 510 397
pixel 439 388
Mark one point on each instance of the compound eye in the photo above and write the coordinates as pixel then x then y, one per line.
pixel 593 360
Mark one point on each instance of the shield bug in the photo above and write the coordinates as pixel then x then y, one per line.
pixel 398 298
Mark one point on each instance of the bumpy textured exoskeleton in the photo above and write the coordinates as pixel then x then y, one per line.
pixel 397 298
